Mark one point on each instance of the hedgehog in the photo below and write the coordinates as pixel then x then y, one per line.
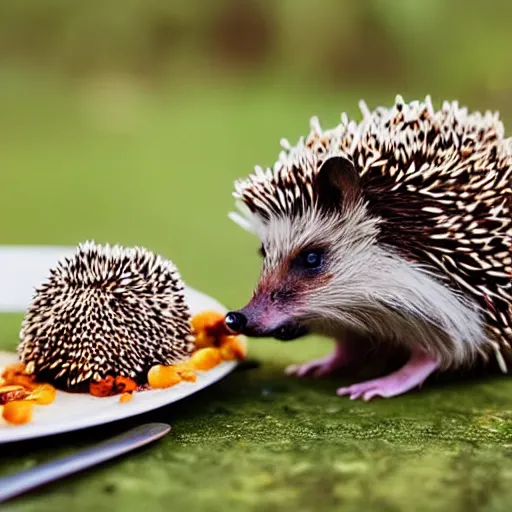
pixel 390 232
pixel 108 310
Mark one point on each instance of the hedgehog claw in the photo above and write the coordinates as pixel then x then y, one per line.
pixel 411 375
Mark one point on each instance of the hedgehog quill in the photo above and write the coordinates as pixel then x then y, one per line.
pixel 108 310
pixel 394 231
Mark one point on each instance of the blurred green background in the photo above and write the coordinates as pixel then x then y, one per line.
pixel 127 121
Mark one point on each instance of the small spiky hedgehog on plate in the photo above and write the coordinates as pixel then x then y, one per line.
pixel 394 231
pixel 107 310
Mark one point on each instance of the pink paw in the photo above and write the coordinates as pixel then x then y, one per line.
pixel 323 366
pixel 370 389
pixel 411 375
pixel 317 368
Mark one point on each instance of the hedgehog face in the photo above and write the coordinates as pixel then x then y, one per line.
pixel 322 269
pixel 312 262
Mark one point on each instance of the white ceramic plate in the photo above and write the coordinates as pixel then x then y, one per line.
pixel 77 411
pixel 72 411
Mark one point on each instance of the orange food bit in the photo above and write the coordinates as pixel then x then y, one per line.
pixel 206 320
pixel 232 348
pixel 183 366
pixel 206 358
pixel 186 371
pixel 15 374
pixel 208 326
pixel 10 393
pixel 17 412
pixel 203 340
pixel 125 397
pixel 27 381
pixel 124 384
pixel 103 387
pixel 227 353
pixel 160 376
pixel 12 370
pixel 188 375
pixel 43 394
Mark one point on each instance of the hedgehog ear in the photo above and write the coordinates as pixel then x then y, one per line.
pixel 337 183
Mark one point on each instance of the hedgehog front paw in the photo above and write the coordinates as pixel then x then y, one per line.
pixel 317 368
pixel 320 367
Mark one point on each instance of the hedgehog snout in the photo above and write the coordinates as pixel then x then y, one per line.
pixel 290 331
pixel 236 321
pixel 241 322
pixel 251 322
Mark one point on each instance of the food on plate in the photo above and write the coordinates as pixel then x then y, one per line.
pixel 125 397
pixel 17 412
pixel 111 321
pixel 160 376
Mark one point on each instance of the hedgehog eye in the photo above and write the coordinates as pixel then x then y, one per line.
pixel 312 259
pixel 262 252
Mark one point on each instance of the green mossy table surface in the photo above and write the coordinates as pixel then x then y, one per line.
pixel 261 441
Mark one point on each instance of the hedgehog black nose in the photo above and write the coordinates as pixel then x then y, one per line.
pixel 236 321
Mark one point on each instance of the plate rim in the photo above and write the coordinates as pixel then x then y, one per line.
pixel 15 433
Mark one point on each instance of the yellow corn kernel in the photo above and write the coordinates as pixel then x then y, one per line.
pixel 232 348
pixel 207 320
pixel 43 394
pixel 160 376
pixel 204 340
pixel 206 358
pixel 125 397
pixel 17 412
pixel 186 371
